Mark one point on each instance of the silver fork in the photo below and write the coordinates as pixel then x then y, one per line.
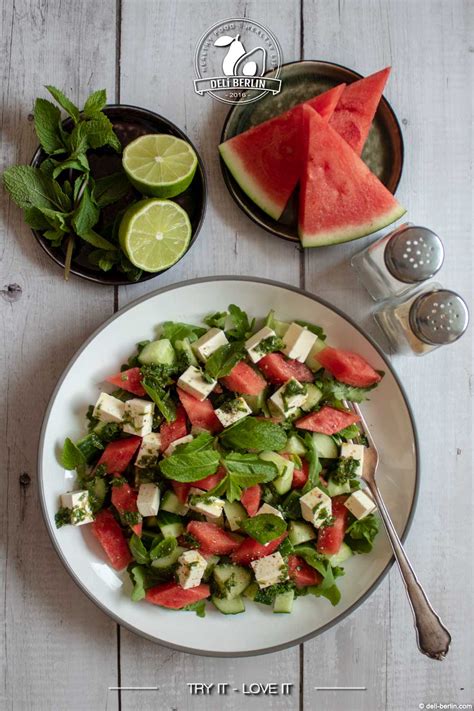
pixel 433 639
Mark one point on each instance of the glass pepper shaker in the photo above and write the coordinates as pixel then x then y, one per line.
pixel 430 318
pixel 399 261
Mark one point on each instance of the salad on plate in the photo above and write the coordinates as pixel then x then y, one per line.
pixel 226 465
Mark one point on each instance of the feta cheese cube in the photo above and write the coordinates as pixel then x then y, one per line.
pixel 211 506
pixel 208 344
pixel 316 507
pixel 298 342
pixel 270 570
pixel 138 417
pixel 267 509
pixel 191 567
pixel 232 411
pixel 148 500
pixel 360 504
pixel 181 440
pixel 287 399
pixel 193 382
pixel 252 344
pixel 78 502
pixel 149 450
pixel 109 408
pixel 354 451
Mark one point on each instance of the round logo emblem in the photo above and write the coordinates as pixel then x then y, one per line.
pixel 232 58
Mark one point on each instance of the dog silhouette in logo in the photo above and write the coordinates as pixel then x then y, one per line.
pixel 238 61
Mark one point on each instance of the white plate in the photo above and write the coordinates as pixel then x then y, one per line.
pixel 258 630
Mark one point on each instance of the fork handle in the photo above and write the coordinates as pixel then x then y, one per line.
pixel 433 638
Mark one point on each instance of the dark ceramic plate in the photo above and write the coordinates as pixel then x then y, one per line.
pixel 383 151
pixel 129 122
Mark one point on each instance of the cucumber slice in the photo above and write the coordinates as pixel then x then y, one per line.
pixel 284 602
pixel 256 402
pixel 251 591
pixel 326 446
pixel 228 607
pixel 337 489
pixel 300 532
pixel 171 503
pixel 235 514
pixel 231 579
pixel 280 327
pixel 151 522
pixel 342 555
pixel 168 560
pixel 158 353
pixel 311 361
pixel 295 445
pixel 212 561
pixel 173 530
pixel 185 347
pixel 314 396
pixel 282 484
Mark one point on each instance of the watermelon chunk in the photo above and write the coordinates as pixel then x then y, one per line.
pixel 169 431
pixel 278 369
pixel 243 379
pixel 129 380
pixel 330 537
pixel 174 597
pixel 300 476
pixel 213 540
pixel 124 498
pixel 118 454
pixel 200 412
pixel 209 482
pixel 348 367
pixel 301 573
pixel 110 536
pixel 326 103
pixel 250 550
pixel 328 420
pixel 356 109
pixel 250 499
pixel 181 489
pixel 340 198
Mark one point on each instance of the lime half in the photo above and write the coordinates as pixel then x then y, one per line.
pixel 154 234
pixel 159 165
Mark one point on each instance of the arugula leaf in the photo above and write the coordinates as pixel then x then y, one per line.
pixel 110 189
pixel 221 362
pixel 71 456
pixel 317 330
pixel 291 505
pixel 198 607
pixel 251 433
pixel 30 187
pixel 176 331
pixel 64 102
pixel 162 400
pixel 163 548
pixel 315 466
pixel 138 550
pixel 264 527
pixel 190 467
pixel 334 391
pixel 242 328
pixel 350 432
pixel 47 120
pixel 216 320
pixel 332 593
pixel 138 577
pixel 361 534
pixel 95 103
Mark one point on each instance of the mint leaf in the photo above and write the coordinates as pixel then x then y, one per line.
pixel 30 187
pixel 96 240
pixel 334 391
pixel 100 132
pixel 47 120
pixel 198 444
pixel 221 362
pixel 55 236
pixel 176 331
pixel 85 216
pixel 216 320
pixel 162 400
pixel 95 103
pixel 361 534
pixel 251 433
pixel 242 328
pixel 80 164
pixel 190 467
pixel 71 456
pixel 104 259
pixel 64 102
pixel 35 218
pixel 78 139
pixel 138 550
pixel 244 470
pixel 108 190
pixel 264 527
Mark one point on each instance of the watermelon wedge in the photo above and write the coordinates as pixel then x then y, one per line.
pixel 340 198
pixel 356 109
pixel 266 160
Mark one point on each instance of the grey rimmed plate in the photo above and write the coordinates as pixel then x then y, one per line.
pixel 258 630
pixel 383 151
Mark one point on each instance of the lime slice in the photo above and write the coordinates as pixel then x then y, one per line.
pixel 154 234
pixel 159 165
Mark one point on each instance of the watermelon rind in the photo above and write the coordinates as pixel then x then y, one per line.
pixel 348 233
pixel 253 189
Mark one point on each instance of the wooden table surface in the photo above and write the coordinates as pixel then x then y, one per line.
pixel 59 650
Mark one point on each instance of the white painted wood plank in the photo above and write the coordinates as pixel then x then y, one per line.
pixel 157 72
pixel 59 650
pixel 427 45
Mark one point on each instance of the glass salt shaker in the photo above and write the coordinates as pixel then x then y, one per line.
pixel 399 261
pixel 428 319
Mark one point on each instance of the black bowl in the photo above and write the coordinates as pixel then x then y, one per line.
pixel 383 151
pixel 129 123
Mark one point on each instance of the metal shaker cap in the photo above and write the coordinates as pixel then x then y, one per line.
pixel 439 317
pixel 413 254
